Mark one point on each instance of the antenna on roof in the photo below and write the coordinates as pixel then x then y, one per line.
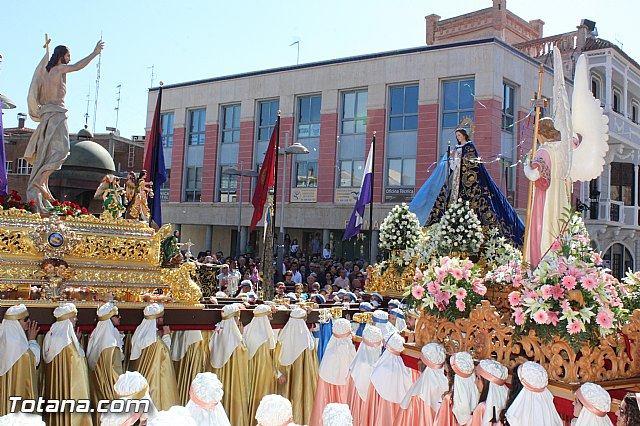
pixel 117 108
pixel 619 43
pixel 86 114
pixel 95 104
pixel 153 75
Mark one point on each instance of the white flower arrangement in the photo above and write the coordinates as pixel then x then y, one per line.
pixel 499 251
pixel 400 232
pixel 459 230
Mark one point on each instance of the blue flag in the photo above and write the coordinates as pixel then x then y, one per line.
pixel 357 217
pixel 154 163
pixel 4 183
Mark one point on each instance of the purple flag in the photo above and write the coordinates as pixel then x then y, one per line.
pixel 357 217
pixel 4 184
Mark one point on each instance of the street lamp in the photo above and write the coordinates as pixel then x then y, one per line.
pixel 294 149
pixel 240 174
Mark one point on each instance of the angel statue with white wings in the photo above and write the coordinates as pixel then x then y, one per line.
pixel 572 148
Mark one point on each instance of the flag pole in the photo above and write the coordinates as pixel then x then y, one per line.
pixel 533 152
pixel 275 195
pixel 373 167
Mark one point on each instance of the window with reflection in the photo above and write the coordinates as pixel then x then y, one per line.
pixel 166 120
pixel 457 104
pixel 193 184
pixel 196 126
pixel 352 138
pixel 231 123
pixel 228 185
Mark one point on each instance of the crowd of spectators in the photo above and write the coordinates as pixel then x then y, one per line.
pixel 316 272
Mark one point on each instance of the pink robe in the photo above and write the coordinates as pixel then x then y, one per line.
pixel 326 393
pixel 445 415
pixel 539 163
pixel 356 404
pixel 478 413
pixel 419 413
pixel 377 411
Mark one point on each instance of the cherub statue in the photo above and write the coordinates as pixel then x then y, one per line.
pixel 139 204
pixel 130 187
pixel 111 193
pixel 573 147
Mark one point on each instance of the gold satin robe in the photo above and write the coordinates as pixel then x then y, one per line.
pixel 263 375
pixel 234 376
pixel 300 387
pixel 66 377
pixel 108 369
pixel 21 380
pixel 156 366
pixel 194 361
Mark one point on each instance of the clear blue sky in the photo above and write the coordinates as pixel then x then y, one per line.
pixel 190 40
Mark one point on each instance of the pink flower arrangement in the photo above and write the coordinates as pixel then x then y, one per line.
pixel 604 319
pixel 510 273
pixel 556 246
pixel 461 294
pixel 557 292
pixel 519 316
pixel 540 317
pixel 569 282
pixel 418 276
pixel 433 288
pixel 417 291
pixel 569 294
pixel 457 273
pixel 449 288
pixel 596 258
pixel 574 327
pixel 589 282
pixel 515 298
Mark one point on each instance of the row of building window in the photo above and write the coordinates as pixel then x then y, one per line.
pixel 22 167
pixel 596 90
pixel 400 167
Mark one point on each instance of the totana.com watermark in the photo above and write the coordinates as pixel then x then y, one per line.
pixel 41 405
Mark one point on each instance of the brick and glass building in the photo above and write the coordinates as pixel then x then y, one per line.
pixel 482 66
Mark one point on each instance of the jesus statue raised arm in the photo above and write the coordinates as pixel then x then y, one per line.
pixel 49 144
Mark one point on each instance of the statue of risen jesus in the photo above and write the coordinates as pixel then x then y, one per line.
pixel 49 144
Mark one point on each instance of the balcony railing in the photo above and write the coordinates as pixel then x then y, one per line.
pixel 621 127
pixel 613 211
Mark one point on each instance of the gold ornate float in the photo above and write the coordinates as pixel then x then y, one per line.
pixel 87 258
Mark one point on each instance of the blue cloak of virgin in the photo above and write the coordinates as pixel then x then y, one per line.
pixel 474 185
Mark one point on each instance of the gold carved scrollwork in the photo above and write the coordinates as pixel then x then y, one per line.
pixel 487 335
pixel 181 284
pixel 105 258
pixel 15 242
pixel 114 248
pixel 390 283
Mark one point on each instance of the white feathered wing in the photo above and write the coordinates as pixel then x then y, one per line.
pixel 562 118
pixel 588 121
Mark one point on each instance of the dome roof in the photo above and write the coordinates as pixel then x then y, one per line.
pixel 89 155
pixel 85 134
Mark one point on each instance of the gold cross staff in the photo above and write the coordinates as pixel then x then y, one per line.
pixel 47 40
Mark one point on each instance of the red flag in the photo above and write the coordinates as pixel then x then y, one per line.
pixel 265 179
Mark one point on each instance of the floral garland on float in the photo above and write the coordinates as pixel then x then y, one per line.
pixel 400 233
pixel 446 270
pixel 401 238
pixel 570 294
pixel 447 283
